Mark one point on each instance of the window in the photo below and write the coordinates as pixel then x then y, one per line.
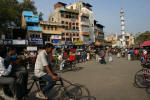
pixel 66 34
pixel 67 16
pixel 63 26
pixel 73 23
pixel 77 28
pixel 73 28
pixel 55 27
pixel 52 19
pixel 63 38
pixel 66 22
pixel 77 24
pixel 62 22
pixel 48 27
pixel 74 34
pixel 51 27
pixel 63 34
pixel 66 27
pixel 62 15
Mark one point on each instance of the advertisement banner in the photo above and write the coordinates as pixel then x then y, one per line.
pixel 19 42
pixel 36 41
pixel 58 37
pixel 77 42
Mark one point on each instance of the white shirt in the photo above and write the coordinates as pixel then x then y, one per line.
pixel 3 70
pixel 144 52
pixel 41 61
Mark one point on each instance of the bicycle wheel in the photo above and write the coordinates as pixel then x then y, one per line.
pixel 71 92
pixel 139 79
pixel 87 98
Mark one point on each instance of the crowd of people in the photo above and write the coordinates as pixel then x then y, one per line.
pixel 14 66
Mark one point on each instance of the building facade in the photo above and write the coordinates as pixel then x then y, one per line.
pixel 86 20
pixel 30 22
pixel 98 32
pixel 51 32
pixel 68 19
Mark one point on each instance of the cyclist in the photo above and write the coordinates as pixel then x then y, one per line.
pixel 43 71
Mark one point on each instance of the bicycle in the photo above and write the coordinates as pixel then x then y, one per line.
pixel 142 78
pixel 62 91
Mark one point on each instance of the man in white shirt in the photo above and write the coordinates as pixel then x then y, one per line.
pixel 4 72
pixel 43 71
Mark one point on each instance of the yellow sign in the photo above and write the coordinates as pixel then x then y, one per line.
pixel 76 42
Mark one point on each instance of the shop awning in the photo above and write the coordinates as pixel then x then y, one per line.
pixel 145 43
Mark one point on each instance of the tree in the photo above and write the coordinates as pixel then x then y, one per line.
pixel 41 16
pixel 8 14
pixel 143 37
pixel 28 5
pixel 11 11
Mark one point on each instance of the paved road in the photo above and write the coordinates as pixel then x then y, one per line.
pixel 113 81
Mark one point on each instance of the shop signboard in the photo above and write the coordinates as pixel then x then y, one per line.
pixel 56 41
pixel 7 42
pixel 32 48
pixel 36 41
pixel 87 42
pixel 18 42
pixel 69 43
pixel 57 37
pixel 77 42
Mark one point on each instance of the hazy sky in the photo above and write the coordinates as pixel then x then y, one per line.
pixel 107 13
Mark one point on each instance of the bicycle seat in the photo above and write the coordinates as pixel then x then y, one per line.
pixel 35 78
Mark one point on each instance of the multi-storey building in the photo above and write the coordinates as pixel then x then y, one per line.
pixel 98 31
pixel 86 20
pixel 112 38
pixel 68 19
pixel 129 40
pixel 30 22
pixel 51 32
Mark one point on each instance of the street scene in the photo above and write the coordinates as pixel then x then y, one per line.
pixel 74 50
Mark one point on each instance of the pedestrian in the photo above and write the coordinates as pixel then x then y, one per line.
pixel 84 56
pixel 88 56
pixel 102 57
pixel 110 57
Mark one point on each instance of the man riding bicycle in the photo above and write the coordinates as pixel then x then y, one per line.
pixel 43 71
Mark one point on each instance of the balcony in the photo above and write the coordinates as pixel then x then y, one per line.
pixel 34 28
pixel 85 33
pixel 34 19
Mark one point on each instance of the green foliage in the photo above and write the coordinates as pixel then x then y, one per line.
pixel 41 16
pixel 11 11
pixel 8 13
pixel 143 37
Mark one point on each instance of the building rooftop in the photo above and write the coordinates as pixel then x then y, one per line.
pixel 50 23
pixel 99 25
pixel 69 10
pixel 64 4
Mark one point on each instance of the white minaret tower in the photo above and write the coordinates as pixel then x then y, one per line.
pixel 123 43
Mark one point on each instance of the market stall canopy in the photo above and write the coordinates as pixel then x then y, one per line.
pixel 145 43
pixel 98 44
